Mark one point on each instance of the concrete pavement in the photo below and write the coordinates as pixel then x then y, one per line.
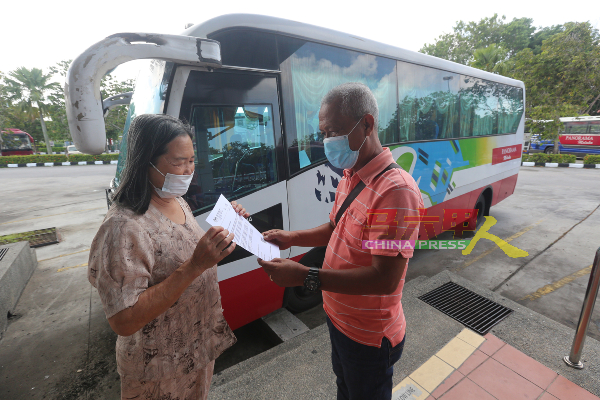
pixel 301 368
pixel 59 327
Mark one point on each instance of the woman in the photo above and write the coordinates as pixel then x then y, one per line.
pixel 155 269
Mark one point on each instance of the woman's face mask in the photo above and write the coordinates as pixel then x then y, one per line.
pixel 174 186
pixel 338 152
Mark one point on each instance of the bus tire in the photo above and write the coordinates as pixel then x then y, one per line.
pixel 549 150
pixel 298 299
pixel 480 206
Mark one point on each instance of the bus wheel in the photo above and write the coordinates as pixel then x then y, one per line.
pixel 549 150
pixel 480 207
pixel 298 299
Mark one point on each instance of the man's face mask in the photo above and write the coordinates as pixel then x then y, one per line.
pixel 338 152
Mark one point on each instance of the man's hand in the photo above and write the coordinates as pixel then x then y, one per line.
pixel 284 272
pixel 282 239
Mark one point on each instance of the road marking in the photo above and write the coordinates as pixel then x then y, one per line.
pixel 53 215
pixel 46 208
pixel 64 255
pixel 558 284
pixel 74 266
pixel 479 257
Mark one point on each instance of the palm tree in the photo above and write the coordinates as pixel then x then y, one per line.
pixel 27 89
pixel 491 59
pixel 4 104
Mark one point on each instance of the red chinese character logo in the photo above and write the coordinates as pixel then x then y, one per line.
pixel 459 220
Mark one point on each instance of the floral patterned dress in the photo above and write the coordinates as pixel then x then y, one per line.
pixel 172 357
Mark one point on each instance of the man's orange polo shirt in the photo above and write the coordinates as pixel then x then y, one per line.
pixel 368 318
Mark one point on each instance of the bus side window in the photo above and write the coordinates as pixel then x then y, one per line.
pixel 314 69
pixel 577 127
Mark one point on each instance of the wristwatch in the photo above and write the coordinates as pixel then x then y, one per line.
pixel 312 281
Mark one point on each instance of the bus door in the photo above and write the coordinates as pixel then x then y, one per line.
pixel 235 119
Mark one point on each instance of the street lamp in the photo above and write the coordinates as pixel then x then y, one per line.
pixel 448 79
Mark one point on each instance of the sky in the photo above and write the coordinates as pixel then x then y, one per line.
pixel 40 34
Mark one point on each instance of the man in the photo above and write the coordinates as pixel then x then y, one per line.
pixel 361 287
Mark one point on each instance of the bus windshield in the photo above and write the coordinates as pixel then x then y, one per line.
pixel 15 141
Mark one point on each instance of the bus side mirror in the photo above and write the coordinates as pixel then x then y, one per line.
pixel 85 111
pixel 114 101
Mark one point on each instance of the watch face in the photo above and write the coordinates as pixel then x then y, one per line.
pixel 311 283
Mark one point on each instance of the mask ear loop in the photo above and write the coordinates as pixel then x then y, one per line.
pixel 364 140
pixel 161 172
pixel 155 188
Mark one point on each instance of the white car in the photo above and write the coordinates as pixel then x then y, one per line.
pixel 72 150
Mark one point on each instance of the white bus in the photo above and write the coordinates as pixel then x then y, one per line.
pixel 456 129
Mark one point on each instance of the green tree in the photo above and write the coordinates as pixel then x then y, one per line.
pixel 545 121
pixel 58 129
pixel 28 90
pixel 467 37
pixel 491 59
pixel 115 120
pixel 4 106
pixel 566 72
pixel 4 103
pixel 563 79
pixel 517 35
pixel 537 39
pixel 109 86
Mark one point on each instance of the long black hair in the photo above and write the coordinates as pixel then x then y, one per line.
pixel 148 137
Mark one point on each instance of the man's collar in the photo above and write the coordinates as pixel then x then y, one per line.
pixel 374 166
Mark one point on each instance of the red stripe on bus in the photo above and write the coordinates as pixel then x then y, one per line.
pixel 501 190
pixel 248 297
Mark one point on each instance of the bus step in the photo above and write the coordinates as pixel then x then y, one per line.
pixel 285 324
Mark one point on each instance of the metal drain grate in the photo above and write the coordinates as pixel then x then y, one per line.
pixel 37 238
pixel 3 252
pixel 470 309
pixel 43 237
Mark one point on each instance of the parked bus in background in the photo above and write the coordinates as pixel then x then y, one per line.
pixel 579 136
pixel 15 142
pixel 456 129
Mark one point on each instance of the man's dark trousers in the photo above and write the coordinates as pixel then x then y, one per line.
pixel 363 372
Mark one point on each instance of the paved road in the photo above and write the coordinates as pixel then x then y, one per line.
pixel 554 215
pixel 60 327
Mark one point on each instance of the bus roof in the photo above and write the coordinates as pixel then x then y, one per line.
pixel 579 119
pixel 336 38
pixel 15 130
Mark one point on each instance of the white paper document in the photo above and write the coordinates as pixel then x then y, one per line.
pixel 245 235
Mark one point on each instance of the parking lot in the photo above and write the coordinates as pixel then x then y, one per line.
pixel 59 345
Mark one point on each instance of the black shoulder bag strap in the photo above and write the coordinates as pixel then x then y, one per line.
pixel 356 191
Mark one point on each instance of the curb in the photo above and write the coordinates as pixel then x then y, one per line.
pixel 558 165
pixel 58 164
